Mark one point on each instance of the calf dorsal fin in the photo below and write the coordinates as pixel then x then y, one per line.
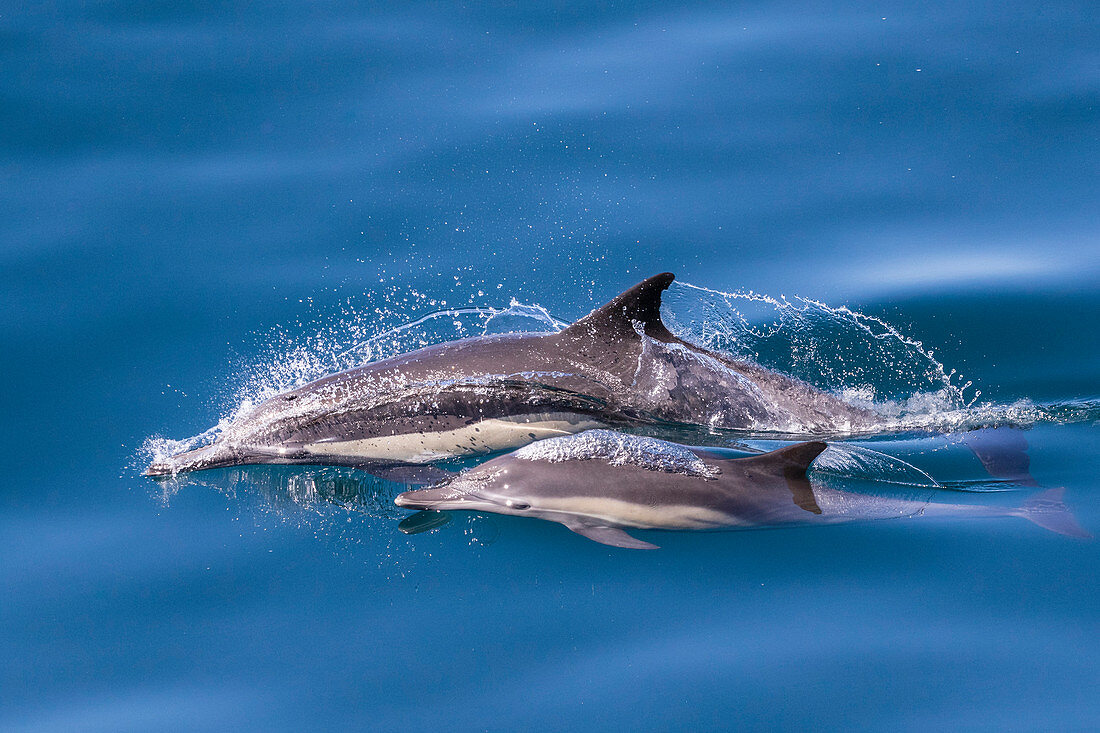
pixel 641 304
pixel 792 460
pixel 791 463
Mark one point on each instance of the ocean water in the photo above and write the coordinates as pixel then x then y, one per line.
pixel 205 203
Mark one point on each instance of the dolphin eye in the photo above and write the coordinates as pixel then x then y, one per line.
pixel 520 505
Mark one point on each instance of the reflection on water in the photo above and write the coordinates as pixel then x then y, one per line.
pixel 316 489
pixel 324 498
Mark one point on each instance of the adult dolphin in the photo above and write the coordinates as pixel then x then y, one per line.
pixel 601 483
pixel 618 366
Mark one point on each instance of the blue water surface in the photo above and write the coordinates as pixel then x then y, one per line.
pixel 192 191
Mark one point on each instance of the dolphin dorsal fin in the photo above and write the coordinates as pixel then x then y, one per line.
pixel 791 463
pixel 792 460
pixel 641 304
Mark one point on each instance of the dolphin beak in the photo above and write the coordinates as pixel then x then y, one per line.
pixel 445 497
pixel 158 469
pixel 210 456
pixel 424 498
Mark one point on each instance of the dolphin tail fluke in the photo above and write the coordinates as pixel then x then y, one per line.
pixel 1048 510
pixel 1003 453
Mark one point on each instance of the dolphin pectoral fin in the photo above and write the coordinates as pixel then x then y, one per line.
pixel 423 521
pixel 610 536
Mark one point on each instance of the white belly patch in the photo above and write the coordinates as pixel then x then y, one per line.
pixel 487 436
pixel 617 512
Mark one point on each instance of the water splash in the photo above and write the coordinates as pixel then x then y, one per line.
pixel 157 448
pixel 359 336
pixel 833 348
pixel 862 359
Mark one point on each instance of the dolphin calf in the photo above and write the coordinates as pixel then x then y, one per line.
pixel 618 366
pixel 600 483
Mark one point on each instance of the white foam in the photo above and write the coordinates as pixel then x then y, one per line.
pixel 619 449
pixel 157 449
pixel 937 412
